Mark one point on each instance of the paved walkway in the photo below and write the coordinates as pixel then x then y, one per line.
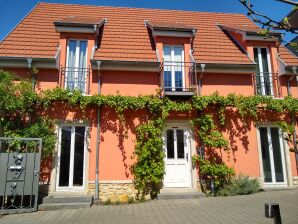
pixel 230 210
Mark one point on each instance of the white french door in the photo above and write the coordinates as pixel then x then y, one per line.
pixel 173 68
pixel 76 65
pixel 71 158
pixel 273 158
pixel 177 160
pixel 264 77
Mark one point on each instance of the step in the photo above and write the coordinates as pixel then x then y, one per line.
pixel 66 199
pixel 166 194
pixel 58 206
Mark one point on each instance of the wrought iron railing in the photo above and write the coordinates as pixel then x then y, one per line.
pixel 267 84
pixel 76 78
pixel 178 77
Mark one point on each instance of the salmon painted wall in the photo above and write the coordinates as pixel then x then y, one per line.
pixel 46 78
pixel 225 84
pixel 117 143
pixel 129 83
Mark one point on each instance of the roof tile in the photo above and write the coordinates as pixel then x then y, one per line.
pixel 125 36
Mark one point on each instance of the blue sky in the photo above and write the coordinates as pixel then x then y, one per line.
pixel 12 11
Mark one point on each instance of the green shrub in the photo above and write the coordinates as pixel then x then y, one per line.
pixel 240 186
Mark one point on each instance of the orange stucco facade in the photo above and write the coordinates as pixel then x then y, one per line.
pixel 116 146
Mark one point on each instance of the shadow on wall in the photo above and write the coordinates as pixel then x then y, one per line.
pixel 124 130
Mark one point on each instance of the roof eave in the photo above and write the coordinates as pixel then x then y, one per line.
pixel 23 62
pixel 114 65
pixel 227 68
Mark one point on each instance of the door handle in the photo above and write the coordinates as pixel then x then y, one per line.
pixel 186 155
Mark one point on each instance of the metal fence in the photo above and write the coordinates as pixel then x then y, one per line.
pixel 19 174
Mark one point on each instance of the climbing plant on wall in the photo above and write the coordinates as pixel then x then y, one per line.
pixel 21 107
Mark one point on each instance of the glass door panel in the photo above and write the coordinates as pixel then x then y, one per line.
pixel 264 81
pixel 65 156
pixel 76 65
pixel 265 155
pixel 170 144
pixel 180 144
pixel 173 68
pixel 277 155
pixel 272 155
pixel 78 165
pixel 71 157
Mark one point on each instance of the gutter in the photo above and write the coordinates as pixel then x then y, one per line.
pixel 22 62
pixel 97 156
pixel 97 141
pixel 229 68
pixel 112 65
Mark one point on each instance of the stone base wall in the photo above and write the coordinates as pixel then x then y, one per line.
pixel 295 181
pixel 114 192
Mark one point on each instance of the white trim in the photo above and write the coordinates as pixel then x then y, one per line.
pixel 70 186
pixel 263 90
pixel 189 152
pixel 283 159
pixel 77 61
pixel 172 65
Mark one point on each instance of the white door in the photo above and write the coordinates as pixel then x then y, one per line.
pixel 76 65
pixel 173 57
pixel 71 158
pixel 273 159
pixel 264 76
pixel 177 160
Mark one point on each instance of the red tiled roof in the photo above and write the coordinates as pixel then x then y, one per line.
pixel 125 36
pixel 287 56
pixel 158 24
pixel 80 20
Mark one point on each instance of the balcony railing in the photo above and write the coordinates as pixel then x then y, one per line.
pixel 178 78
pixel 76 78
pixel 267 84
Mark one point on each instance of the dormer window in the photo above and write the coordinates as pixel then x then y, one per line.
pixel 76 65
pixel 264 76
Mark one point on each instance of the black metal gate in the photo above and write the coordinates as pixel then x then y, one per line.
pixel 19 174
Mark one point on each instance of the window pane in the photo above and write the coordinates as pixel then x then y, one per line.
pixel 82 66
pixel 78 167
pixel 71 63
pixel 167 53
pixel 180 144
pixel 279 175
pixel 168 80
pixel 178 54
pixel 265 155
pixel 258 78
pixel 170 144
pixel 65 157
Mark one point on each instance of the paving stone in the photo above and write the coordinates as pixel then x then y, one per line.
pixel 211 210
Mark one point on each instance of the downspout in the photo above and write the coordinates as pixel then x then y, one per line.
pixel 97 142
pixel 293 119
pixel 29 60
pixel 200 79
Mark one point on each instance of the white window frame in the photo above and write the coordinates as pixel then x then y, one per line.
pixel 77 61
pixel 283 157
pixel 70 186
pixel 262 72
pixel 173 65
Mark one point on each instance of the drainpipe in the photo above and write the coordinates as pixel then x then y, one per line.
pixel 200 79
pixel 97 156
pixel 293 119
pixel 97 142
pixel 29 61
